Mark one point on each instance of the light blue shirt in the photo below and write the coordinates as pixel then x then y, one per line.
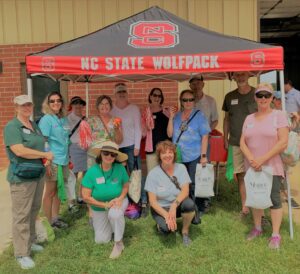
pixel 57 131
pixel 292 101
pixel 160 184
pixel 190 141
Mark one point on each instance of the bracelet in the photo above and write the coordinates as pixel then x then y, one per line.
pixel 177 202
pixel 203 155
pixel 106 205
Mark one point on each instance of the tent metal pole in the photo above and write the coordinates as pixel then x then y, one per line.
pixel 281 78
pixel 30 91
pixel 87 99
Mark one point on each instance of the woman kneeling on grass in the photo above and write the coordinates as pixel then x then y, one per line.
pixel 104 188
pixel 264 137
pixel 168 190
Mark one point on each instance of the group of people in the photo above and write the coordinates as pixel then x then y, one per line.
pixel 41 153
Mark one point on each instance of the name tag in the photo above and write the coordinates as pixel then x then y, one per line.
pixel 154 116
pixel 26 130
pixel 234 102
pixel 250 125
pixel 100 180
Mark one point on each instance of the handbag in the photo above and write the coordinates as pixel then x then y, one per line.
pixel 28 170
pixel 204 181
pixel 258 188
pixel 197 219
pixel 183 128
pixel 135 181
pixel 290 155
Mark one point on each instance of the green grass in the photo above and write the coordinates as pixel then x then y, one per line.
pixel 218 246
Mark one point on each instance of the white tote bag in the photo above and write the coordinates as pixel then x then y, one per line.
pixel 204 181
pixel 135 182
pixel 258 188
pixel 70 186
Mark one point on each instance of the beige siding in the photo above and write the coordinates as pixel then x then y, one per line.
pixel 47 21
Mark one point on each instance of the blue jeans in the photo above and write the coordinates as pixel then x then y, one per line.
pixel 191 168
pixel 130 166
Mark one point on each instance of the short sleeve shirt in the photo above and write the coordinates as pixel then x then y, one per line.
pixel 238 106
pixel 190 140
pixel 208 106
pixel 16 133
pixel 292 100
pixel 105 185
pixel 261 136
pixel 160 184
pixel 57 132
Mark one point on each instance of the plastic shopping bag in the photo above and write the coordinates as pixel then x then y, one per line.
pixel 70 187
pixel 135 183
pixel 258 188
pixel 204 181
pixel 291 154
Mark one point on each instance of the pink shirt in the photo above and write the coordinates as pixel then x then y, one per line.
pixel 261 136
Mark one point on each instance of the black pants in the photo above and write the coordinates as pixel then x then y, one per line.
pixel 186 206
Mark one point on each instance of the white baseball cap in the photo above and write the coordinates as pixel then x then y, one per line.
pixel 22 99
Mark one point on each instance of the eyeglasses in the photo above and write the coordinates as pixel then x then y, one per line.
pixel 185 100
pixel 52 101
pixel 156 95
pixel 263 95
pixel 106 153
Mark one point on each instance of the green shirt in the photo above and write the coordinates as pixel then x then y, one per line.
pixel 105 185
pixel 16 133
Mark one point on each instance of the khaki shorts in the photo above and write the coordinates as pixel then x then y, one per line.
pixel 54 173
pixel 238 160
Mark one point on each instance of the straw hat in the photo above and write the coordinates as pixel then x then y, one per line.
pixel 110 146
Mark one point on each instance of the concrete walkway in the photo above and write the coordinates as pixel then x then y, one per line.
pixel 5 204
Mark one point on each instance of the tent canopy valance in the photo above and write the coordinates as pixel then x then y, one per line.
pixel 153 45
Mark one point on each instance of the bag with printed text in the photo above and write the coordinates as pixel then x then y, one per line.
pixel 204 181
pixel 258 188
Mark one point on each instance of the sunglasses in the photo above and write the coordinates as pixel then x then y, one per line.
pixel 185 100
pixel 106 153
pixel 122 91
pixel 156 95
pixel 55 101
pixel 263 95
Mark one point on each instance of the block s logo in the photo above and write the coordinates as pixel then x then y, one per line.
pixel 153 34
pixel 48 63
pixel 257 59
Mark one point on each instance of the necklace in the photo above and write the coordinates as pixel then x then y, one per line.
pixel 103 173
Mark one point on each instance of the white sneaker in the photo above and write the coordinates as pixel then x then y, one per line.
pixel 117 250
pixel 25 262
pixel 36 248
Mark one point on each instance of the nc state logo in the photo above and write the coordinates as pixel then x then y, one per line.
pixel 153 34
pixel 48 63
pixel 257 59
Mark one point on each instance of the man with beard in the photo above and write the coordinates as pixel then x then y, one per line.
pixel 237 105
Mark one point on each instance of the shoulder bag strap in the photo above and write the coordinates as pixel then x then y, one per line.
pixel 187 124
pixel 173 179
pixel 76 126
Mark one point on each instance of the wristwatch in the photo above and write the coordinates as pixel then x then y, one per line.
pixel 203 155
pixel 177 202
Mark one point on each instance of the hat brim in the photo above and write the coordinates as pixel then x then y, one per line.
pixel 78 102
pixel 122 157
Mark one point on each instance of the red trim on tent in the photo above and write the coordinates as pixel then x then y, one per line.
pixel 246 60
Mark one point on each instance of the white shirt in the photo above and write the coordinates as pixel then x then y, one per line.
pixel 208 106
pixel 131 125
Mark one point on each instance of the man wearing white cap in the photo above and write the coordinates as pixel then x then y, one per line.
pixel 131 127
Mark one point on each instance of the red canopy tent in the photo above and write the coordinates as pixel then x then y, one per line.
pixel 154 45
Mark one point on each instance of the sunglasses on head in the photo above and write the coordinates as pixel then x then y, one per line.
pixel 263 95
pixel 188 100
pixel 106 153
pixel 156 95
pixel 52 101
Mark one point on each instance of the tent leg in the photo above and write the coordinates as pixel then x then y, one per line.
pixel 290 206
pixel 281 78
pixel 30 91
pixel 87 99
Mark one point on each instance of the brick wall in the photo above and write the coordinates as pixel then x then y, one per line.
pixel 11 85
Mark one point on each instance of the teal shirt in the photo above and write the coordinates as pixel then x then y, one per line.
pixel 57 132
pixel 105 185
pixel 16 133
